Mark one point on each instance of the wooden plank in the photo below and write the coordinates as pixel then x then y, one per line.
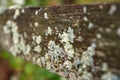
pixel 79 42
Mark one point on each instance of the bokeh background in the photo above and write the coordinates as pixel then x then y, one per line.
pixel 49 2
pixel 12 68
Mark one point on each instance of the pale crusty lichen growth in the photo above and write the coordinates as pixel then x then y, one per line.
pixel 112 9
pixel 84 9
pixel 90 25
pixel 36 24
pixel 118 31
pixel 68 64
pixel 36 41
pixel 46 16
pixel 66 39
pixel 22 11
pixel 48 31
pixel 109 76
pixel 16 14
pixel 98 35
pixel 19 44
pixel 36 12
pixel 86 61
pixel 37 48
pixel 104 67
pixel 85 18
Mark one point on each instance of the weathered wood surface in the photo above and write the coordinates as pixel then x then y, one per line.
pixel 79 42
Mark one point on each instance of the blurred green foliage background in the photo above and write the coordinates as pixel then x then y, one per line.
pixel 50 2
pixel 24 70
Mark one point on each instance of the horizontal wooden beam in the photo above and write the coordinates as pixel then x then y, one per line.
pixel 79 42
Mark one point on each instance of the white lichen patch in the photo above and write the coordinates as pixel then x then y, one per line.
pixel 53 50
pixel 38 39
pixel 104 66
pixel 85 18
pixel 38 61
pixel 76 62
pixel 66 39
pixel 16 14
pixel 80 70
pixel 90 25
pixel 112 9
pixel 46 16
pixel 25 34
pixel 48 31
pixel 33 59
pixel 118 31
pixel 46 56
pixel 87 55
pixel 79 38
pixel 109 76
pixel 68 65
pixel 19 44
pixel 98 35
pixel 36 12
pixel 87 76
pixel 72 76
pixel 22 10
pixel 36 24
pixel 25 48
pixel 108 30
pixel 37 49
pixel 48 66
pixel 42 59
pixel 71 35
pixel 6 28
pixel 69 50
pixel 101 6
pixel 30 24
pixel 84 9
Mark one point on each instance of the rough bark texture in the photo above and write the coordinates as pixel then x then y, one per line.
pixel 79 42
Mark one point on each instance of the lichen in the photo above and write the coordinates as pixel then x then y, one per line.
pixel 85 61
pixel 16 14
pixel 98 35
pixel 36 12
pixel 53 50
pixel 112 9
pixel 66 38
pixel 118 31
pixel 90 25
pixel 71 35
pixel 48 31
pixel 85 18
pixel 46 16
pixel 84 9
pixel 48 66
pixel 36 24
pixel 104 66
pixel 22 11
pixel 19 43
pixel 79 39
pixel 37 49
pixel 36 41
pixel 68 65
pixel 109 76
